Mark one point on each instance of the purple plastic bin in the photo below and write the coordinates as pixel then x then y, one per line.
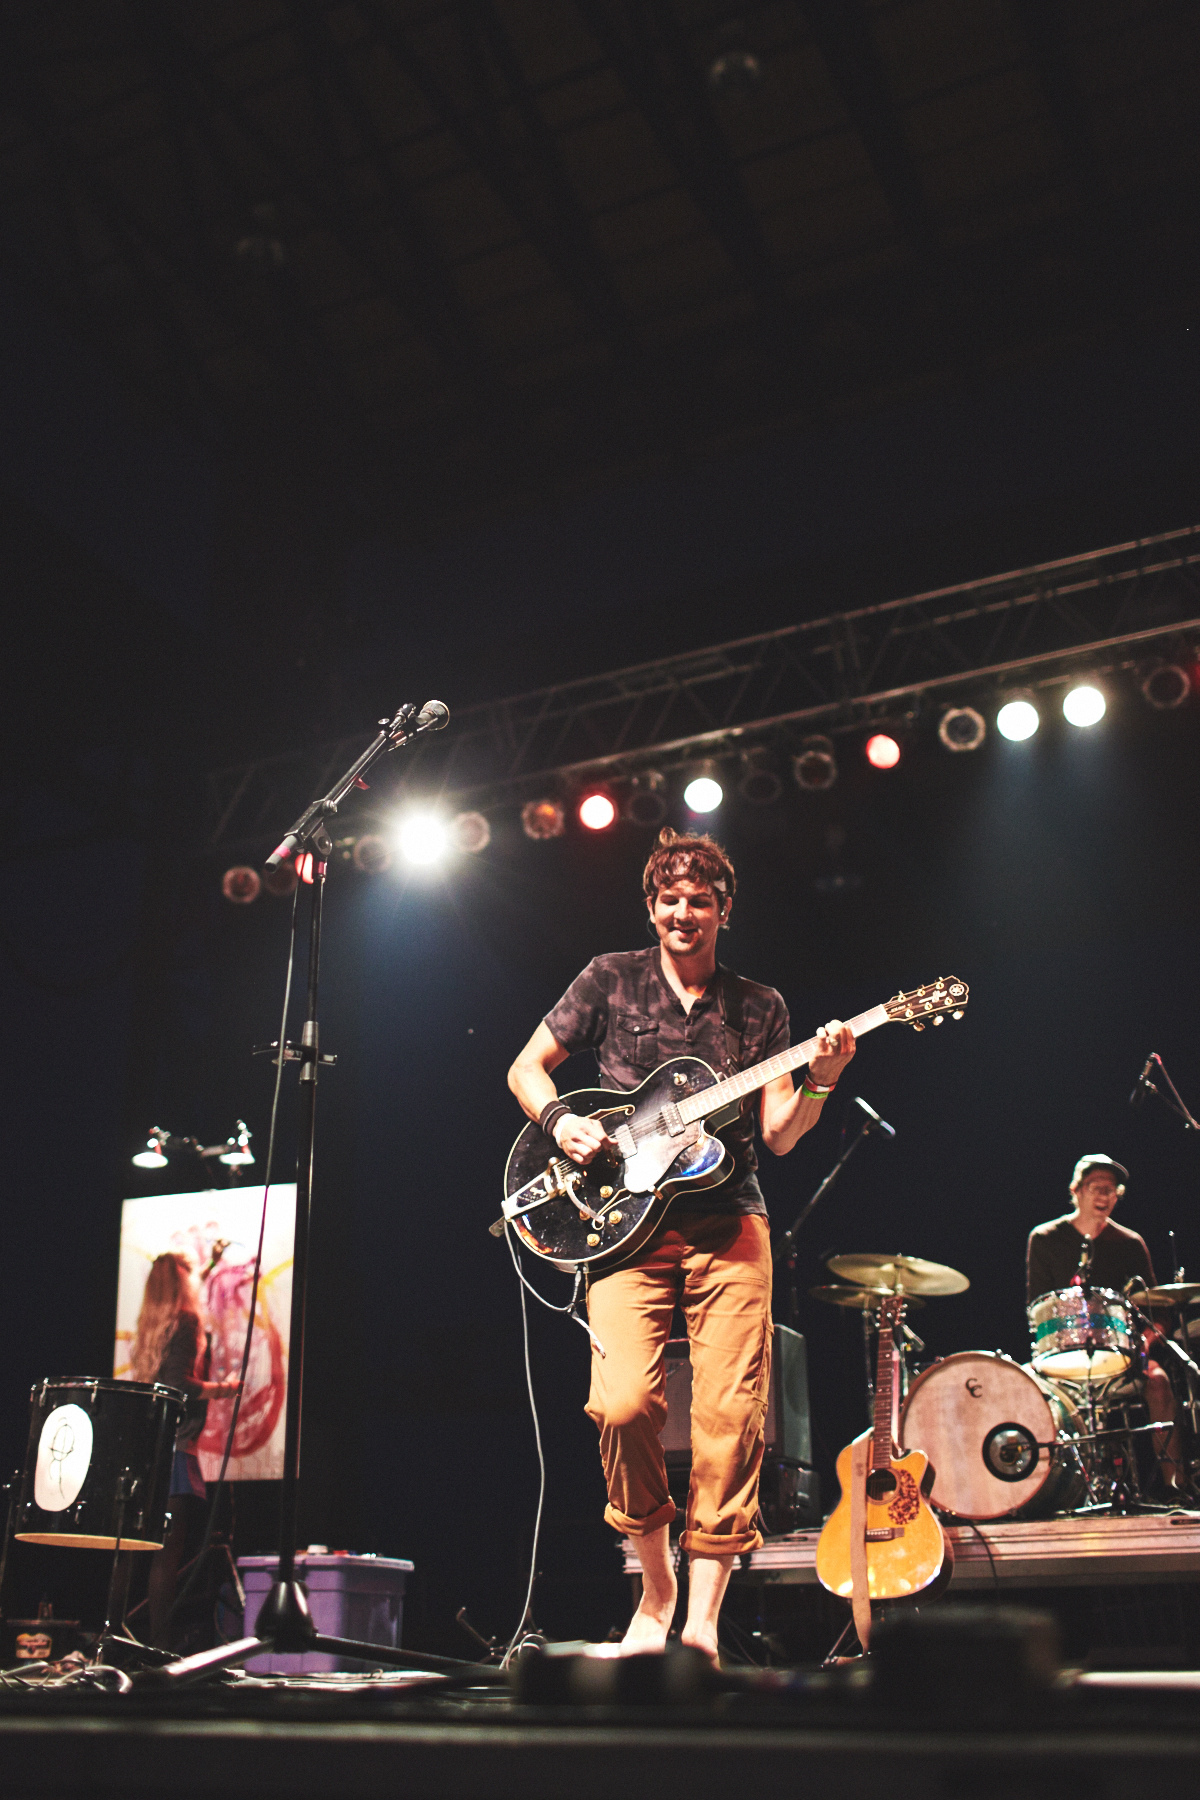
pixel 349 1597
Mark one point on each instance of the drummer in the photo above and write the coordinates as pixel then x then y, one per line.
pixel 1118 1256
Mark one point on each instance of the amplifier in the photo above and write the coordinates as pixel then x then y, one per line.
pixel 788 1429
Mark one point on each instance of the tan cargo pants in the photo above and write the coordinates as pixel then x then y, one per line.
pixel 718 1269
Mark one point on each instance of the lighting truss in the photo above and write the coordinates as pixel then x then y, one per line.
pixel 1100 611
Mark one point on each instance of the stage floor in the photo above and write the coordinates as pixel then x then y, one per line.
pixel 1080 1550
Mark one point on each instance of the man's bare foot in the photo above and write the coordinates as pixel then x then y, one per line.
pixel 650 1624
pixel 703 1637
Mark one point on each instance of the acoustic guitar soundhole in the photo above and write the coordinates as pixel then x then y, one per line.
pixel 880 1484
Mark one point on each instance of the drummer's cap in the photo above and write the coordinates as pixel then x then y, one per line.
pixel 1098 1162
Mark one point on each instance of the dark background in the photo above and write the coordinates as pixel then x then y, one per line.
pixel 201 570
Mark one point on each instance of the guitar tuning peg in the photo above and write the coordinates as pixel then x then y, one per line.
pixel 917 1025
pixel 957 1015
pixel 940 1020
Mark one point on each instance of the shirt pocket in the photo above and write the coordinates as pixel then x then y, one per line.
pixel 637 1040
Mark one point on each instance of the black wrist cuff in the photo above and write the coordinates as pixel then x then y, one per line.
pixel 550 1114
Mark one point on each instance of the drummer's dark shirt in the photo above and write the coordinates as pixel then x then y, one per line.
pixel 1052 1257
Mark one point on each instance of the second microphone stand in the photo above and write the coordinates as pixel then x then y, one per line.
pixel 786 1251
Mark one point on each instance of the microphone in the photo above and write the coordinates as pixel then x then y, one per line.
pixel 1143 1084
pixel 1084 1270
pixel 875 1122
pixel 433 716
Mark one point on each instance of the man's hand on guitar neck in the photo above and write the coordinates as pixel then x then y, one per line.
pixel 836 1046
pixel 581 1139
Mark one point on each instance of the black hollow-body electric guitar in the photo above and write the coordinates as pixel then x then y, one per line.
pixel 594 1217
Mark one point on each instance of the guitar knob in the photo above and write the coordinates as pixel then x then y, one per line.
pixel 614 1218
pixel 606 1193
pixel 593 1238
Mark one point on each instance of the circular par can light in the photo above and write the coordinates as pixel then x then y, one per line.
pixel 814 765
pixel 1166 686
pixel 1084 705
pixel 703 794
pixel 882 751
pixel 597 811
pixel 1018 719
pixel 961 728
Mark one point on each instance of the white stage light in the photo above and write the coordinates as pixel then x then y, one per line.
pixel 1084 705
pixel 423 838
pixel 1017 720
pixel 703 794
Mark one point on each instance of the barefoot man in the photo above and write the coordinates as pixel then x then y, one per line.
pixel 711 1255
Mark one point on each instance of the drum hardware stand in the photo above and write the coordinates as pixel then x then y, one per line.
pixel 285 1624
pixel 10 1490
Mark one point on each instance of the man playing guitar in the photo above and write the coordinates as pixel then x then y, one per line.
pixel 710 1255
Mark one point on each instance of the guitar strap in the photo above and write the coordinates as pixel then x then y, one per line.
pixel 860 1587
pixel 729 997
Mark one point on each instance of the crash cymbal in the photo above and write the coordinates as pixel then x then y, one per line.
pixel 1171 1293
pixel 899 1274
pixel 861 1299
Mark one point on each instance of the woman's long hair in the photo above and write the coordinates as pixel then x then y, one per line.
pixel 169 1294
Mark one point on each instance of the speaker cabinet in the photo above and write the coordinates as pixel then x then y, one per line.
pixel 788 1430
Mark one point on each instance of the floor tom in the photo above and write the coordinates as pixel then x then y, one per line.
pixel 89 1440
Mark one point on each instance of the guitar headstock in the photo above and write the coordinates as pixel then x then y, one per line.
pixel 889 1311
pixel 933 1001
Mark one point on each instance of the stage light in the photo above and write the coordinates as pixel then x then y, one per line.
pixel 423 839
pixel 597 810
pixel 1084 705
pixel 241 885
pixel 541 819
pixel 1017 719
pixel 703 793
pixel 759 782
pixel 814 765
pixel 239 1153
pixel 372 855
pixel 882 751
pixel 470 832
pixel 962 728
pixel 646 805
pixel 281 881
pixel 1166 686
pixel 153 1156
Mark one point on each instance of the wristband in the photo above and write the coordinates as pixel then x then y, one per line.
pixel 816 1093
pixel 551 1113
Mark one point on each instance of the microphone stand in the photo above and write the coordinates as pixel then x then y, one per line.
pixel 284 1624
pixel 1174 1099
pixel 787 1243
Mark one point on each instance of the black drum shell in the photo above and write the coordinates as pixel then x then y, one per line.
pixel 133 1429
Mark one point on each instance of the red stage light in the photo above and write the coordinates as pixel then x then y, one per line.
pixel 597 811
pixel 883 752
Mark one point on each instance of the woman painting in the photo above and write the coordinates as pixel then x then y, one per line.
pixel 169 1347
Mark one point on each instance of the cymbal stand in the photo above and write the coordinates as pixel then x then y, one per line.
pixel 285 1624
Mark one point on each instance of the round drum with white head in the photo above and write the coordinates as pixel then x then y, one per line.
pixel 984 1423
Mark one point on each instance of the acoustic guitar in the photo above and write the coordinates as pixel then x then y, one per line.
pixel 594 1217
pixel 882 1533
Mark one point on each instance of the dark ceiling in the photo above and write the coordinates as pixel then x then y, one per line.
pixel 473 255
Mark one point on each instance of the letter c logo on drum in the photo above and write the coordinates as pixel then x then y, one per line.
pixel 64 1455
pixel 973 1387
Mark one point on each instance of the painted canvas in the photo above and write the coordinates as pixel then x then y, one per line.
pixel 218 1231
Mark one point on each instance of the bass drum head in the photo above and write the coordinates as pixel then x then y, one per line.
pixel 980 1418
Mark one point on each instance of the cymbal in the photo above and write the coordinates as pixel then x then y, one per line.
pixel 899 1274
pixel 1171 1293
pixel 862 1299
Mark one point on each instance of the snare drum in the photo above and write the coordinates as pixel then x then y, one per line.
pixel 986 1425
pixel 1081 1337
pixel 88 1438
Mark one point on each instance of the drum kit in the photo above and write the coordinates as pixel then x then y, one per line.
pixel 1051 1436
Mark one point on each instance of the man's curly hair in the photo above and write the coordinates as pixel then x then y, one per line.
pixel 689 857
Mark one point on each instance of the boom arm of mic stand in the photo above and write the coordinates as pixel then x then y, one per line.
pixel 787 1243
pixel 392 732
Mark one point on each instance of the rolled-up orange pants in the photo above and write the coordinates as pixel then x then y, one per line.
pixel 717 1268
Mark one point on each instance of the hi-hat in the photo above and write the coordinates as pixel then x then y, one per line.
pixel 1171 1293
pixel 899 1274
pixel 861 1299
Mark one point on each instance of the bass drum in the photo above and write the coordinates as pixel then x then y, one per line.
pixel 982 1420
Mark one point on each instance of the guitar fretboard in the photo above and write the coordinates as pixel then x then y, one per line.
pixel 883 1435
pixel 735 1087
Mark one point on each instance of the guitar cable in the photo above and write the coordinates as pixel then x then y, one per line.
pixel 571 1310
